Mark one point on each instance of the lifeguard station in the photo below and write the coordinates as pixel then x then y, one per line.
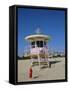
pixel 38 49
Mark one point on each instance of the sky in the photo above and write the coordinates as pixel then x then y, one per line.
pixel 50 22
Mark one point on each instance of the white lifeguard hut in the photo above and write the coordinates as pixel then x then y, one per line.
pixel 38 48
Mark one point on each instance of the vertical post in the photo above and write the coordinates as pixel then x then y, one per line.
pixel 35 44
pixel 44 48
pixel 39 60
pixel 46 53
pixel 38 56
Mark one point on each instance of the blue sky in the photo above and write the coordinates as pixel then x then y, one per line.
pixel 50 22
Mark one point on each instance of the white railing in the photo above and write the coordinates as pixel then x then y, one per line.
pixel 29 50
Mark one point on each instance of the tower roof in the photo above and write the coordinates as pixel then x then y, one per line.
pixel 38 35
pixel 33 37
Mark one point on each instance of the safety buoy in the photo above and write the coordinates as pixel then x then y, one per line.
pixel 30 73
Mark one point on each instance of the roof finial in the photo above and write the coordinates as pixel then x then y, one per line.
pixel 38 31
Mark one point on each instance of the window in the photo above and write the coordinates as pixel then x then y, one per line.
pixel 39 43
pixel 33 44
pixel 44 43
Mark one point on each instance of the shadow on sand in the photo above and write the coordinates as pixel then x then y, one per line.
pixel 53 62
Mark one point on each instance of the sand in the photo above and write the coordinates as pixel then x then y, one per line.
pixel 56 71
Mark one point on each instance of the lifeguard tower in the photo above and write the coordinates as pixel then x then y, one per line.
pixel 38 48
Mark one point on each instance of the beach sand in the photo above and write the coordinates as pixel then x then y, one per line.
pixel 56 71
